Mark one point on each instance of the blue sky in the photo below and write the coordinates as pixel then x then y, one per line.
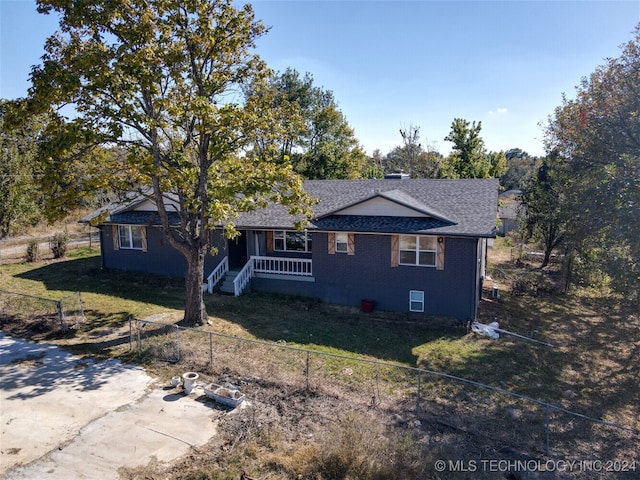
pixel 391 64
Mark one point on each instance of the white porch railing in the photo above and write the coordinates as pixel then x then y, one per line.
pixel 243 278
pixel 282 265
pixel 300 267
pixel 217 274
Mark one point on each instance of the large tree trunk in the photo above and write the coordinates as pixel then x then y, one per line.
pixel 194 251
pixel 195 312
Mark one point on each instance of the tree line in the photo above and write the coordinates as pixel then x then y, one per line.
pixel 318 143
pixel 584 198
pixel 169 98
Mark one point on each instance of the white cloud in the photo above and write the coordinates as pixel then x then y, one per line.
pixel 499 111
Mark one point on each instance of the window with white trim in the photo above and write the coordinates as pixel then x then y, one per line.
pixel 417 250
pixel 130 237
pixel 289 241
pixel 416 301
pixel 342 242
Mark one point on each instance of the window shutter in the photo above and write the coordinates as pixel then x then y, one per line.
pixel 270 241
pixel 331 243
pixel 143 234
pixel 351 244
pixel 394 250
pixel 440 254
pixel 116 239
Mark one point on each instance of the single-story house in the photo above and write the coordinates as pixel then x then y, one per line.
pixel 408 245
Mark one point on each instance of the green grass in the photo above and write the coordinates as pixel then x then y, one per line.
pixel 338 330
pixel 105 293
pixel 592 368
pixel 110 297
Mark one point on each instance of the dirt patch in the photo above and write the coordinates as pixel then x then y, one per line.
pixel 288 433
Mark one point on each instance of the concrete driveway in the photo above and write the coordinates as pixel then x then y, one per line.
pixel 64 417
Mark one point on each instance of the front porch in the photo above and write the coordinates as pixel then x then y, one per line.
pixel 235 282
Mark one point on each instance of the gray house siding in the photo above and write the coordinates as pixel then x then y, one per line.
pixel 285 287
pixel 348 279
pixel 462 212
pixel 337 278
pixel 160 258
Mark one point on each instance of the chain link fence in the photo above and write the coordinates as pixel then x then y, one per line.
pixel 42 314
pixel 448 403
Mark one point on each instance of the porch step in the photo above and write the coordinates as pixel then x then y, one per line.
pixel 227 283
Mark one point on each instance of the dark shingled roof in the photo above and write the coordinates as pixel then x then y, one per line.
pixel 361 223
pixel 459 207
pixel 142 218
pixel 448 207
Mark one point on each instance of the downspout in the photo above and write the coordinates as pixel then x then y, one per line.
pixel 477 293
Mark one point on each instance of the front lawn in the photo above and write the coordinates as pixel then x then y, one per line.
pixel 592 366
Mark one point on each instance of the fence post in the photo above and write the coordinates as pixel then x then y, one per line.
pixel 81 307
pixel 418 396
pixel 178 342
pixel 211 348
pixel 139 339
pixel 63 325
pixel 130 332
pixel 547 440
pixel 306 370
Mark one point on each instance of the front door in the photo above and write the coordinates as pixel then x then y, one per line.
pixel 238 251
